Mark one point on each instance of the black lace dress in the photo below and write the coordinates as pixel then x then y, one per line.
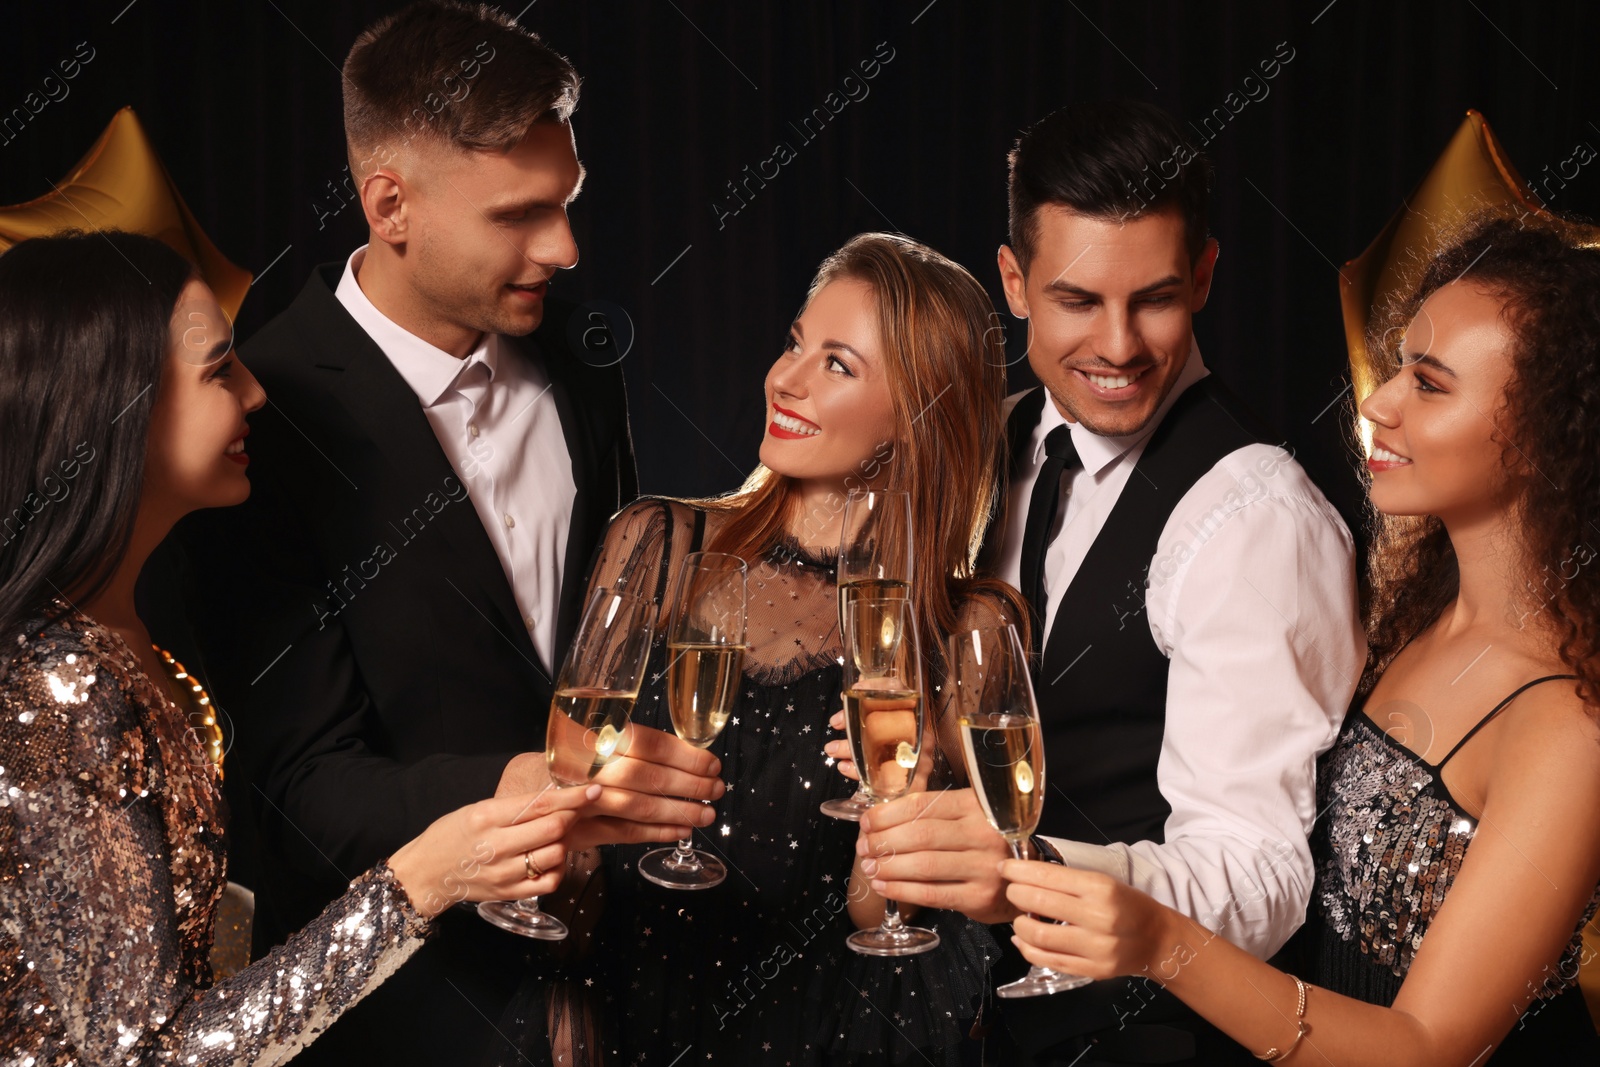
pixel 756 970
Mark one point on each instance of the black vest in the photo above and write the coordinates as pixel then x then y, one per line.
pixel 1102 682
pixel 1102 692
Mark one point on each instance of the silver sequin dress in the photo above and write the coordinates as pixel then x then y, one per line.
pixel 111 866
pixel 1387 847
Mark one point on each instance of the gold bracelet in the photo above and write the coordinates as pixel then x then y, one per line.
pixel 1301 1029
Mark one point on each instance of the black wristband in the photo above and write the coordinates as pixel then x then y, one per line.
pixel 1045 850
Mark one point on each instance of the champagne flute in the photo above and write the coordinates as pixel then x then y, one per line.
pixel 706 642
pixel 1004 751
pixel 883 706
pixel 595 691
pixel 875 560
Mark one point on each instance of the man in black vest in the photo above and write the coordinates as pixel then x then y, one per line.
pixel 381 622
pixel 1193 595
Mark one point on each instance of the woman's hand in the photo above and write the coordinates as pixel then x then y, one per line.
pixel 1113 928
pixel 840 750
pixel 477 852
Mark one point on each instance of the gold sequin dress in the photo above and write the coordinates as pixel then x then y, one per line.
pixel 111 866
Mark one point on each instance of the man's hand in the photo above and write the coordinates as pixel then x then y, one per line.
pixel 936 850
pixel 525 774
pixel 653 792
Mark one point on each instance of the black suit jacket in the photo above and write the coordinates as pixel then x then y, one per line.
pixel 359 634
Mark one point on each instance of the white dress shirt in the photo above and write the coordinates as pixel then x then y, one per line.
pixel 1251 595
pixel 502 434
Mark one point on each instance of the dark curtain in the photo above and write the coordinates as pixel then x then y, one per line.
pixel 242 101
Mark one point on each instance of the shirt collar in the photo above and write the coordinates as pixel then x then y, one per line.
pixel 430 371
pixel 1097 451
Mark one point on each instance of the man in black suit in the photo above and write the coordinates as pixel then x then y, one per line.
pixel 436 461
pixel 1192 595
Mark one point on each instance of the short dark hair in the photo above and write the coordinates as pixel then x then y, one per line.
pixel 85 331
pixel 464 74
pixel 1107 159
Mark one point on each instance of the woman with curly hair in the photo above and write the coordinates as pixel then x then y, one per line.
pixel 1458 843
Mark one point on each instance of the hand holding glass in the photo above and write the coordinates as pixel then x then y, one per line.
pixel 883 708
pixel 706 644
pixel 595 692
pixel 1004 752
pixel 875 560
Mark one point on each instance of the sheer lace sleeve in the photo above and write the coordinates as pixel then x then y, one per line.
pixel 642 549
pixel 109 874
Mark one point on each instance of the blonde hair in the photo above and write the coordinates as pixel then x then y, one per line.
pixel 944 354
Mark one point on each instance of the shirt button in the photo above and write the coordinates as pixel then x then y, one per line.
pixel 472 428
pixel 529 621
pixel 510 522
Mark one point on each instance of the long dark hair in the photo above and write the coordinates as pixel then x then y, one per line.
pixel 84 332
pixel 1549 281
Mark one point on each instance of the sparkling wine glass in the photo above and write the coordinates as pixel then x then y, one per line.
pixel 884 707
pixel 706 645
pixel 595 691
pixel 1004 751
pixel 875 560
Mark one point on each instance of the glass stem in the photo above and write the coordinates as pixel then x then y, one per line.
pixel 529 906
pixel 685 855
pixel 892 923
pixel 1017 853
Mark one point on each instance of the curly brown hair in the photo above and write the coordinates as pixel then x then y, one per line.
pixel 1549 280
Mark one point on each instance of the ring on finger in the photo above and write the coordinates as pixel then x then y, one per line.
pixel 532 869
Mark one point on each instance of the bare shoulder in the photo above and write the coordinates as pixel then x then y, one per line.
pixel 1549 739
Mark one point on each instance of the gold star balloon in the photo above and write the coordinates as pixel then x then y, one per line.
pixel 121 184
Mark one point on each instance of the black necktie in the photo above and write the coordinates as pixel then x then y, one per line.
pixel 1060 457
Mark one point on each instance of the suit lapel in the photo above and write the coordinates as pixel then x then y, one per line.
pixel 387 410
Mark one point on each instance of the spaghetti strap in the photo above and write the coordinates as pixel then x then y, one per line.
pixel 1497 709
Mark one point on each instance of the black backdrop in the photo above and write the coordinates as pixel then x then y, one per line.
pixel 242 101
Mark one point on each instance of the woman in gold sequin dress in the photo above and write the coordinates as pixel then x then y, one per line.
pixel 122 408
pixel 1457 846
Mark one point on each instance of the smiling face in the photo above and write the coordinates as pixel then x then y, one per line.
pixel 829 409
pixel 1109 304
pixel 1436 449
pixel 195 457
pixel 478 233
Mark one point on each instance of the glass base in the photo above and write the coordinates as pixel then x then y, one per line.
pixel 523 917
pixel 1040 981
pixel 904 941
pixel 848 808
pixel 665 867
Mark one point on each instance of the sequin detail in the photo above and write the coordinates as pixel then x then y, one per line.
pixel 111 867
pixel 1387 848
